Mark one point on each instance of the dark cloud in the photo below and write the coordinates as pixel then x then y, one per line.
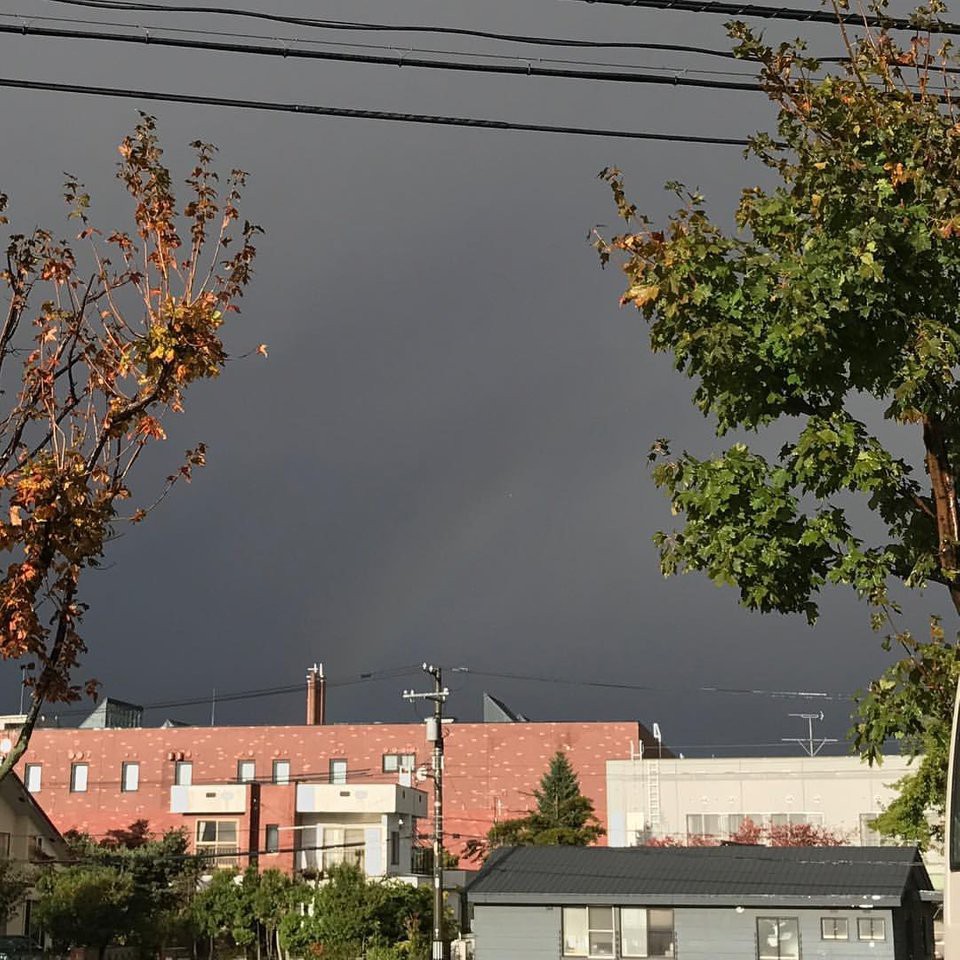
pixel 444 456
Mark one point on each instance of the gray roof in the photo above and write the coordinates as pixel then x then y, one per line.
pixel 496 711
pixel 731 875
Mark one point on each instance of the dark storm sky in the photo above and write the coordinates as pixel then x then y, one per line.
pixel 444 456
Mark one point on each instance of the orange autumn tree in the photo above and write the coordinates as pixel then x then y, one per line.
pixel 96 349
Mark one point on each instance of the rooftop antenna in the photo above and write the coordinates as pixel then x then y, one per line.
pixel 809 746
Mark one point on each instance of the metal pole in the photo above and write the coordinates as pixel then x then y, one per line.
pixel 437 815
pixel 435 736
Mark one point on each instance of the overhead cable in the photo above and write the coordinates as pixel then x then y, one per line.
pixel 764 12
pixel 307 109
pixel 354 25
pixel 398 60
pixel 156 30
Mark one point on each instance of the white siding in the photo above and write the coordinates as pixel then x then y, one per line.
pixel 517 933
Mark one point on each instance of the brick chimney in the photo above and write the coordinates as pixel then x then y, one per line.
pixel 316 696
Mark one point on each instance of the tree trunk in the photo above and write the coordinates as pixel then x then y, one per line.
pixel 943 484
pixel 211 948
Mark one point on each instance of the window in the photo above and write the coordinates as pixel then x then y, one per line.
pixel 343 845
pixel 33 777
pixel 281 771
pixel 183 773
pixel 217 840
pixel 871 928
pixel 338 771
pixel 273 838
pixel 394 848
pixel 130 777
pixel 35 848
pixel 778 938
pixel 646 933
pixel 78 777
pixel 588 932
pixel 834 928
pixel 4 844
pixel 395 762
pixel 246 770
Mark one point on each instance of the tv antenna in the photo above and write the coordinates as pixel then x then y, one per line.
pixel 808 744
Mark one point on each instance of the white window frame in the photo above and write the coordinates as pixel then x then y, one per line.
pixel 590 931
pixel 872 921
pixel 33 777
pixel 834 921
pixel 399 762
pixel 129 776
pixel 244 765
pixel 271 838
pixel 279 776
pixel 218 853
pixel 338 770
pixel 778 921
pixel 345 844
pixel 79 777
pixel 183 773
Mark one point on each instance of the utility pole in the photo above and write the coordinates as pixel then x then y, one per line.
pixel 438 695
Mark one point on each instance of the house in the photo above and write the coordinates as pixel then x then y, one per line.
pixel 27 837
pixel 703 903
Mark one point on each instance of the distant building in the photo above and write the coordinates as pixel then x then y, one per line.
pixel 100 777
pixel 110 714
pixel 749 903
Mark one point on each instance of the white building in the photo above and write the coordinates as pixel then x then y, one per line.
pixel 651 798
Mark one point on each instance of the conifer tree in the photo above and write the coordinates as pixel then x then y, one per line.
pixel 564 816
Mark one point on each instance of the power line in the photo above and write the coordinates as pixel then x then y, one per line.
pixel 650 688
pixel 764 12
pixel 398 60
pixel 353 25
pixel 393 48
pixel 357 114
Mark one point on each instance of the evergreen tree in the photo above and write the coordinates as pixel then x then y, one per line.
pixel 564 816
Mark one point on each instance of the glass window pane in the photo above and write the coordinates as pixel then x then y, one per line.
pixel 246 770
pixel 633 931
pixel 768 939
pixel 131 777
pixel 390 762
pixel 601 944
pixel 227 831
pixel 273 837
pixel 600 918
pixel 574 932
pixel 281 771
pixel 789 939
pixel 660 936
pixel 78 777
pixel 183 773
pixel 206 831
pixel 33 775
pixel 694 824
pixel 711 824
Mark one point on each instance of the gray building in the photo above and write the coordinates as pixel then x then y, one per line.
pixel 703 903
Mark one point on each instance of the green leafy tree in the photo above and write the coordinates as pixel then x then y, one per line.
pixel 563 816
pixel 15 882
pixel 829 313
pixel 163 878
pixel 350 915
pixel 85 906
pixel 223 908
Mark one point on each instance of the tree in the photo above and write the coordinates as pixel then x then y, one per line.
pixel 753 834
pixel 563 816
pixel 92 359
pixel 85 906
pixel 162 876
pixel 14 885
pixel 831 306
pixel 350 914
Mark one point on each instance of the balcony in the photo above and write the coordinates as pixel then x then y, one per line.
pixel 214 798
pixel 375 798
